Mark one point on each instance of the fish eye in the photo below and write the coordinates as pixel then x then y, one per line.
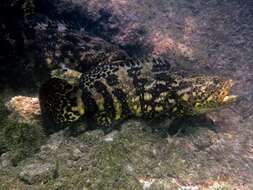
pixel 216 81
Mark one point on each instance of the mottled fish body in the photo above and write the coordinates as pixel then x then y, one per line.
pixel 142 88
pixel 118 91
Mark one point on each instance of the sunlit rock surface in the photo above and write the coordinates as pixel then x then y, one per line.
pixel 24 109
pixel 38 173
pixel 205 37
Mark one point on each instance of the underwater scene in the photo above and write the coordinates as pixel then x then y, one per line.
pixel 126 95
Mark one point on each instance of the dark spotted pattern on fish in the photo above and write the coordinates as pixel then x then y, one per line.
pixel 142 88
pixel 126 89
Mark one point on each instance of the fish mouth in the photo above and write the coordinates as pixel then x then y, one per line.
pixel 230 98
pixel 227 88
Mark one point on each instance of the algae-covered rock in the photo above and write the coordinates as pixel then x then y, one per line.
pixel 38 173
pixel 138 157
pixel 5 160
pixel 17 137
pixel 21 139
pixel 34 42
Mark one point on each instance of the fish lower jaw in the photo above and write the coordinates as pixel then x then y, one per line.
pixel 230 98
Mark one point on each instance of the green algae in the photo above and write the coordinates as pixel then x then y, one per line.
pixel 4 187
pixel 134 153
pixel 109 170
pixel 3 116
pixel 91 137
pixel 21 139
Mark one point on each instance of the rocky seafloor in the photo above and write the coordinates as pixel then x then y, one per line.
pixel 213 152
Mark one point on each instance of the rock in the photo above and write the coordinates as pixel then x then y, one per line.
pixel 37 42
pixel 76 154
pixel 38 173
pixel 24 109
pixel 146 183
pixel 52 145
pixel 5 160
pixel 72 48
pixel 189 188
pixel 15 37
pixel 109 137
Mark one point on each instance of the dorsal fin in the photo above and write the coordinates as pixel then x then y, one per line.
pixel 158 63
pixel 151 66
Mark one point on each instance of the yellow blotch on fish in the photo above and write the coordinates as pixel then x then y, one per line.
pixel 137 110
pixel 209 98
pixel 147 96
pixel 148 108
pixel 174 109
pixel 159 108
pixel 118 110
pixel 185 97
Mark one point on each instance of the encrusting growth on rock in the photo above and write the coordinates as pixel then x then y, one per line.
pixel 24 109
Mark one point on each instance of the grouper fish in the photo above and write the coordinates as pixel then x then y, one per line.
pixel 111 93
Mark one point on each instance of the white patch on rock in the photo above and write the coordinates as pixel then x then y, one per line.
pixel 37 173
pixel 109 137
pixel 189 188
pixel 146 182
